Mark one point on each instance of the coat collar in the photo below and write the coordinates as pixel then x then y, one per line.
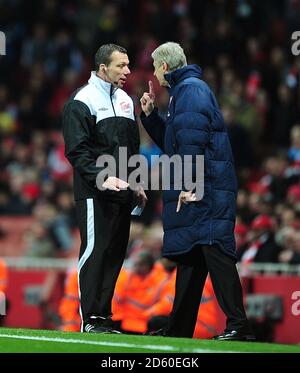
pixel 189 71
pixel 101 84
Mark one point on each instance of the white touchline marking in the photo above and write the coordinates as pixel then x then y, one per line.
pixel 113 344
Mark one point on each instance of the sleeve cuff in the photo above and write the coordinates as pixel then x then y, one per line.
pixel 146 119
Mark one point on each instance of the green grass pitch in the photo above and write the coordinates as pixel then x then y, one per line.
pixel 29 340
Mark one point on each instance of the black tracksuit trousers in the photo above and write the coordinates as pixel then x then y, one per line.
pixel 192 270
pixel 104 230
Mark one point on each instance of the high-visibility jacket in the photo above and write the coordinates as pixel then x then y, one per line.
pixel 164 305
pixel 207 319
pixel 3 276
pixel 69 305
pixel 134 294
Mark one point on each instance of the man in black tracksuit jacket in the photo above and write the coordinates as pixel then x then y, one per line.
pixel 98 120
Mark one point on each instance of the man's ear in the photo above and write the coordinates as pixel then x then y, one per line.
pixel 103 68
pixel 165 67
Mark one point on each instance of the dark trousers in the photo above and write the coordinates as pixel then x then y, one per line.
pixel 104 230
pixel 192 270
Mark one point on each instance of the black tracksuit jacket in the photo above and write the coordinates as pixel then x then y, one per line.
pixel 98 119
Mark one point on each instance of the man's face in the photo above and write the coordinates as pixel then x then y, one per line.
pixel 117 71
pixel 159 71
pixel 140 267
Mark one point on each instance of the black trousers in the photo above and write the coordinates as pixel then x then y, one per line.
pixel 192 270
pixel 104 230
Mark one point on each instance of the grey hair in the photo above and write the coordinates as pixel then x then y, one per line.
pixel 171 53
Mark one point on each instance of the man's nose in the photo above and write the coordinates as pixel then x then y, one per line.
pixel 127 70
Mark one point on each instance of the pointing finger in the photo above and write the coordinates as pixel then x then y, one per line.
pixel 178 205
pixel 151 90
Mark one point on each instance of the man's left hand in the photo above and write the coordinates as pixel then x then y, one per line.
pixel 185 197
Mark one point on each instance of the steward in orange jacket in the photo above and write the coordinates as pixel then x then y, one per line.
pixel 136 291
pixel 69 305
pixel 207 319
pixel 163 306
pixel 3 276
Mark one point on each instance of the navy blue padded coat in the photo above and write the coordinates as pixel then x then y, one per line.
pixel 195 125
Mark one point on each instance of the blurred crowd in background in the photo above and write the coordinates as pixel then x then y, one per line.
pixel 244 49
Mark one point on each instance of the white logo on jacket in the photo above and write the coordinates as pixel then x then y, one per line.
pixel 125 107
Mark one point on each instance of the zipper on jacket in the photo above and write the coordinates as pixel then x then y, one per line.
pixel 112 91
pixel 174 141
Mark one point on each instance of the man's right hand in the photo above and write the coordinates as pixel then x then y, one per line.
pixel 113 183
pixel 147 100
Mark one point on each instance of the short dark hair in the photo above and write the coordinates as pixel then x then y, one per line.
pixel 103 54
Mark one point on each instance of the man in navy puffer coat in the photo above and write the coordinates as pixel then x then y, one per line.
pixel 198 234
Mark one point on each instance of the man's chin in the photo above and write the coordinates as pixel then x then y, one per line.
pixel 121 83
pixel 118 85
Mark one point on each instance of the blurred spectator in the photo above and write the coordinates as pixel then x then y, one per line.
pixel 288 239
pixel 136 289
pixel 243 210
pixel 36 48
pixel 51 232
pixel 61 94
pixel 262 246
pixel 294 150
pixel 274 180
pixel 245 113
pixel 239 139
pixel 287 216
pixel 8 122
pixel 64 55
pixel 18 203
pixel 293 195
pixel 285 115
pixel 39 242
pixel 59 166
pixel 240 234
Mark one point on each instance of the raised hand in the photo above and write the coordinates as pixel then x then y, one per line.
pixel 147 100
